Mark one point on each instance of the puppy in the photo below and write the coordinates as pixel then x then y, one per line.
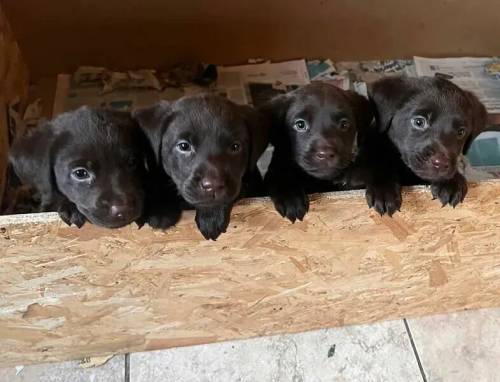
pixel 423 126
pixel 88 164
pixel 315 133
pixel 209 146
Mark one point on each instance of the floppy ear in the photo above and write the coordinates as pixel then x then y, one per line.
pixel 388 96
pixel 259 129
pixel 153 121
pixel 363 111
pixel 31 159
pixel 479 116
pixel 274 111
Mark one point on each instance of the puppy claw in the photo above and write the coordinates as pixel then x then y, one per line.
pixel 292 206
pixel 384 198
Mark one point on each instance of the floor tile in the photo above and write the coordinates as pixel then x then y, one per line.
pixel 380 352
pixel 111 371
pixel 459 347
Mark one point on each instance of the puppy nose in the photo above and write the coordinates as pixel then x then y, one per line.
pixel 440 161
pixel 325 154
pixel 118 211
pixel 209 184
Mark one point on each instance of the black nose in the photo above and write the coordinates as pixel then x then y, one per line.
pixel 440 161
pixel 119 211
pixel 211 184
pixel 325 153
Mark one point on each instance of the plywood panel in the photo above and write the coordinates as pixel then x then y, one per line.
pixel 58 35
pixel 68 293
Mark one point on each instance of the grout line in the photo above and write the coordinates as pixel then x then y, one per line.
pixel 422 372
pixel 127 367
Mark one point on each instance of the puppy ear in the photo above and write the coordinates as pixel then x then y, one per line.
pixel 153 121
pixel 258 129
pixel 31 159
pixel 275 112
pixel 388 96
pixel 479 116
pixel 363 111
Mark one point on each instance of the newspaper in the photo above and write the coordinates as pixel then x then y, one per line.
pixel 254 84
pixel 478 75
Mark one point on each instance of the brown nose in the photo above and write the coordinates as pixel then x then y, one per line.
pixel 440 161
pixel 211 184
pixel 325 153
pixel 119 211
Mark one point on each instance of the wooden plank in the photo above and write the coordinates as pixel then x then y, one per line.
pixel 68 293
pixel 68 33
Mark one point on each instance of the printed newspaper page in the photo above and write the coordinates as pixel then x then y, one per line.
pixel 478 75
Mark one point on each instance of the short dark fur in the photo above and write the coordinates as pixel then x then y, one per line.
pixel 209 146
pixel 403 153
pixel 312 160
pixel 106 147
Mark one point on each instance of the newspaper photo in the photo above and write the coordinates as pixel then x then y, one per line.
pixel 478 75
pixel 253 84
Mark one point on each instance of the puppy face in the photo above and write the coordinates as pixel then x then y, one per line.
pixel 431 122
pixel 205 144
pixel 320 123
pixel 91 157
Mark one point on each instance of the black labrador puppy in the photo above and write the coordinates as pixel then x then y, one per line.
pixel 89 164
pixel 209 146
pixel 315 134
pixel 423 126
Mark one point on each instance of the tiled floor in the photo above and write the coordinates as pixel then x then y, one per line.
pixel 457 347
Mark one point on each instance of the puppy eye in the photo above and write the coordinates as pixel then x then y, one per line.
pixel 184 146
pixel 419 122
pixel 300 125
pixel 236 147
pixel 344 124
pixel 461 133
pixel 80 174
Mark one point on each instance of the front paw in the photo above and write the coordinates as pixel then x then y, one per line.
pixel 292 205
pixel 212 222
pixel 450 192
pixel 160 218
pixel 70 214
pixel 384 198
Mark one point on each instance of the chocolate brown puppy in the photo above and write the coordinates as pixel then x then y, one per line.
pixel 315 134
pixel 209 146
pixel 88 164
pixel 423 126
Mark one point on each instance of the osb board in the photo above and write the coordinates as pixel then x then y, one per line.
pixel 59 35
pixel 69 293
pixel 13 87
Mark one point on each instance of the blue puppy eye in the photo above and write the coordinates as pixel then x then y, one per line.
pixel 80 174
pixel 183 146
pixel 300 125
pixel 419 122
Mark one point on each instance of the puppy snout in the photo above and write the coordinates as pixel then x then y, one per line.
pixel 119 210
pixel 325 153
pixel 440 161
pixel 212 184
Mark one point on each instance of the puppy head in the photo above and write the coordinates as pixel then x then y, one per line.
pixel 93 158
pixel 431 122
pixel 320 123
pixel 205 144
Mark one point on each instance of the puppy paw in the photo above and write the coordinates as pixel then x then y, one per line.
pixel 384 198
pixel 450 192
pixel 160 218
pixel 292 205
pixel 212 222
pixel 70 215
